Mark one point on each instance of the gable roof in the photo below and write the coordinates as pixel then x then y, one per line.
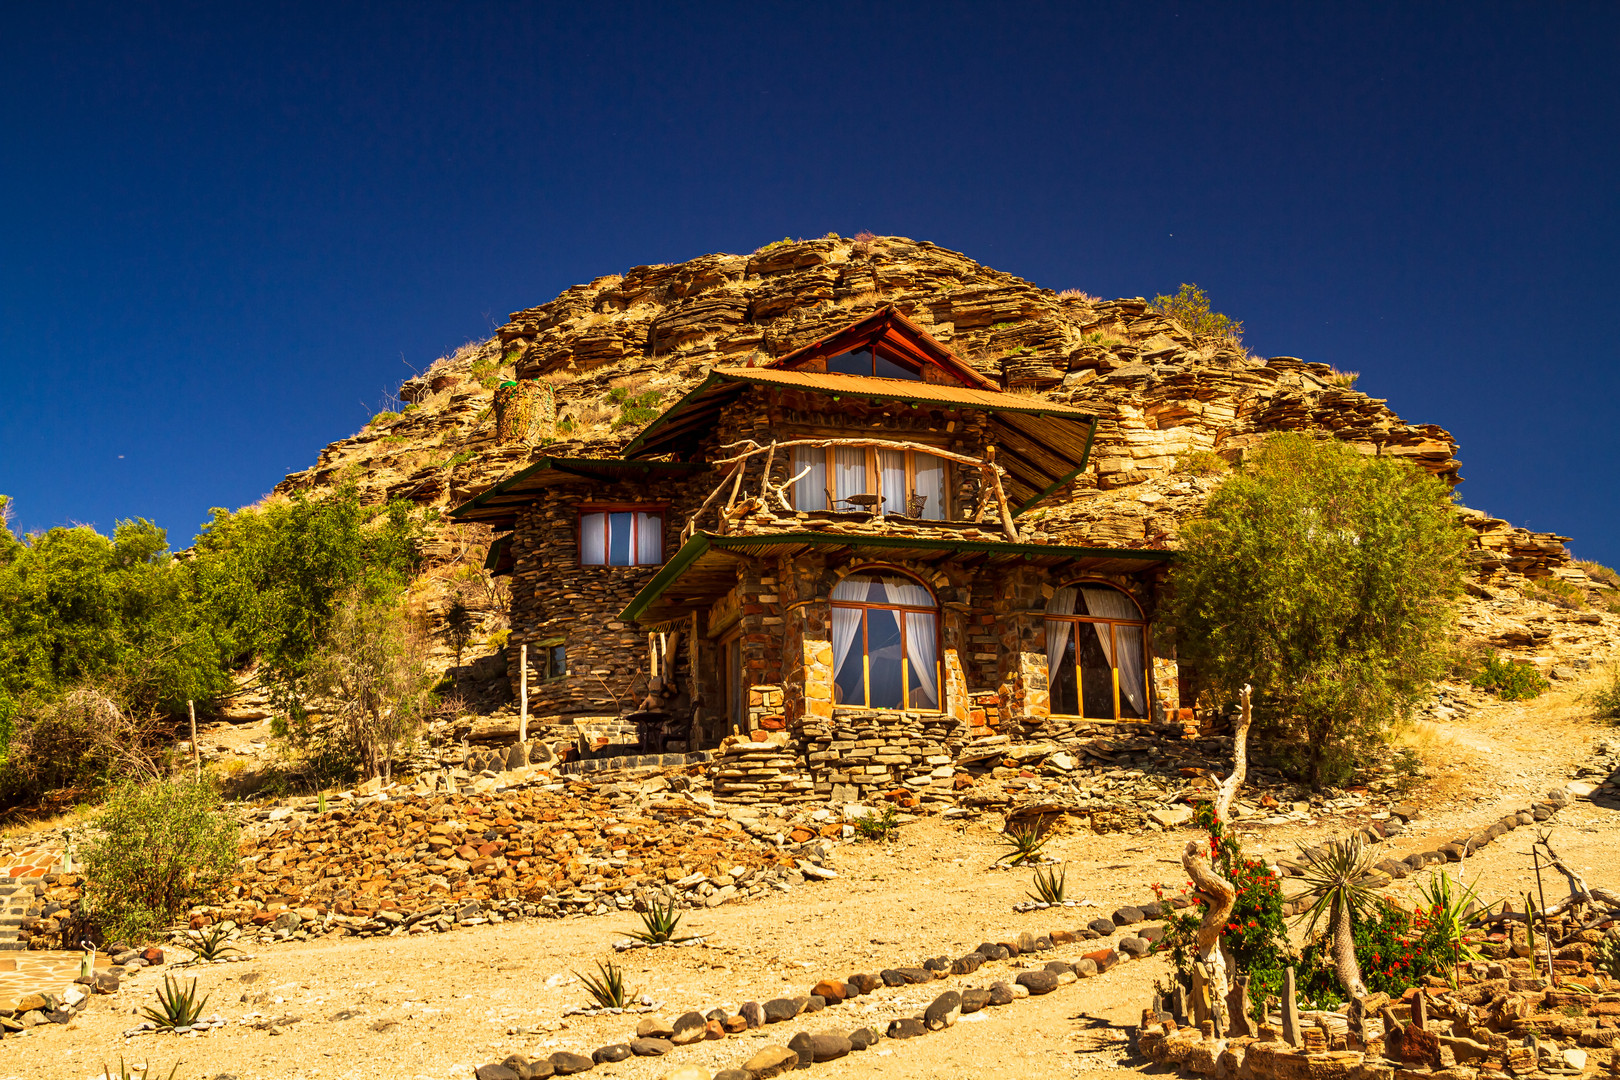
pixel 498 505
pixel 1041 445
pixel 899 335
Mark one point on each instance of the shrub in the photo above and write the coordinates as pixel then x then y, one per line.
pixel 1327 581
pixel 878 826
pixel 165 846
pixel 1343 380
pixel 1201 463
pixel 635 410
pixel 1606 698
pixel 1396 949
pixel 382 418
pixel 1190 308
pixel 85 740
pixel 1510 680
pixel 1558 593
pixel 373 668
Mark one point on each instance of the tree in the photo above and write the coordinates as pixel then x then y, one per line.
pixel 1335 883
pixel 1190 308
pixel 372 668
pixel 1328 580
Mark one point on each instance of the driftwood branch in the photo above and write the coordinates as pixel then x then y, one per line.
pixel 1579 891
pixel 1220 897
pixel 990 474
pixel 1240 758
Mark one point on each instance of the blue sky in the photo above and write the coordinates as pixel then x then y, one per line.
pixel 227 232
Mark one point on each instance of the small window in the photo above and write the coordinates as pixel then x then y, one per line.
pixel 869 361
pixel 1096 656
pixel 552 662
pixel 628 537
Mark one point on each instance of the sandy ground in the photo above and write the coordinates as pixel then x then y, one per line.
pixel 435 1006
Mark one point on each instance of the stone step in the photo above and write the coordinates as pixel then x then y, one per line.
pixel 13 946
pixel 634 761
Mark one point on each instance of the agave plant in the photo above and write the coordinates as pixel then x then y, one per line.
pixel 608 988
pixel 211 942
pixel 1450 902
pixel 1335 881
pixel 177 1006
pixel 661 922
pixel 1049 882
pixel 1024 845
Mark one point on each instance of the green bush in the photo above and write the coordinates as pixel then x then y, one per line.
pixel 1190 308
pixel 165 846
pixel 1201 463
pixel 1327 581
pixel 634 410
pixel 1396 948
pixel 1510 680
pixel 1606 699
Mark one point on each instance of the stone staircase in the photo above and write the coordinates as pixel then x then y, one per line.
pixel 20 871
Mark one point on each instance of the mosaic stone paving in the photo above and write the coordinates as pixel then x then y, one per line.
pixel 25 973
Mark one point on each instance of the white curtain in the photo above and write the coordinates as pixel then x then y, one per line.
pixel 592 539
pixel 1057 630
pixel 1113 604
pixel 811 492
pixel 931 485
pixel 893 464
pixel 649 539
pixel 846 626
pixel 849 465
pixel 922 634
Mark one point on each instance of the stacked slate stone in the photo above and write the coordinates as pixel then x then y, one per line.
pixel 859 754
pixel 762 771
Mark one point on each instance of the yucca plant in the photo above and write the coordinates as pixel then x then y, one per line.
pixel 1450 902
pixel 661 922
pixel 1049 884
pixel 1335 881
pixel 609 987
pixel 177 1006
pixel 1025 843
pixel 211 942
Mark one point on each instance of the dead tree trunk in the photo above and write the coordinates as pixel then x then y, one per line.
pixel 1219 895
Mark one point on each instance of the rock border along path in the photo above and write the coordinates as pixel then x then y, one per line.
pixel 805 1048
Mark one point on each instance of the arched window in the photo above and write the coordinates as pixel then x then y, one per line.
pixel 1096 653
pixel 885 631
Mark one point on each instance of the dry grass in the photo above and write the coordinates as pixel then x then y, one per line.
pixel 1342 380
pixel 28 825
pixel 1078 294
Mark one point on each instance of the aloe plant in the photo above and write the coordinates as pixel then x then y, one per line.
pixel 177 1006
pixel 1450 902
pixel 1335 881
pixel 609 988
pixel 661 922
pixel 1025 843
pixel 1049 884
pixel 143 1073
pixel 211 942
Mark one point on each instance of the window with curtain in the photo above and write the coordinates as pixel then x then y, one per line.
pixel 911 480
pixel 885 630
pixel 1096 654
pixel 627 537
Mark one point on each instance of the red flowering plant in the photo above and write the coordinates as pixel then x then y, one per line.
pixel 1396 948
pixel 1256 938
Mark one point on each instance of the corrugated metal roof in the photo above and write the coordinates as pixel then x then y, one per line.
pixel 498 505
pixel 868 386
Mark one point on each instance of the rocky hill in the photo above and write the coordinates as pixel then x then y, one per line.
pixel 596 363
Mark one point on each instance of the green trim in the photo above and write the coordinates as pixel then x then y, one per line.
pixel 665 577
pixel 1085 456
pixel 493 559
pixel 658 421
pixel 910 399
pixel 703 542
pixel 563 465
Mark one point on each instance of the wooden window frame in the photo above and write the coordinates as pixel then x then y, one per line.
pixel 1092 620
pixel 905 660
pixel 729 678
pixel 888 354
pixel 831 473
pixel 546 646
pixel 661 509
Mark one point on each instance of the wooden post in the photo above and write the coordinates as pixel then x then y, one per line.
pixel 523 693
pixel 1290 1016
pixel 196 755
pixel 1546 923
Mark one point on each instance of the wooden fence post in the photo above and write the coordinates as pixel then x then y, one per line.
pixel 196 755
pixel 523 683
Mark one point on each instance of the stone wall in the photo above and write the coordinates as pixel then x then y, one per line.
pixel 554 597
pixel 861 754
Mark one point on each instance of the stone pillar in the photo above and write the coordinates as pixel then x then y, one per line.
pixel 1020 608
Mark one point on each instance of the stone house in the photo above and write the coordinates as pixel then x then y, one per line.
pixel 824 543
